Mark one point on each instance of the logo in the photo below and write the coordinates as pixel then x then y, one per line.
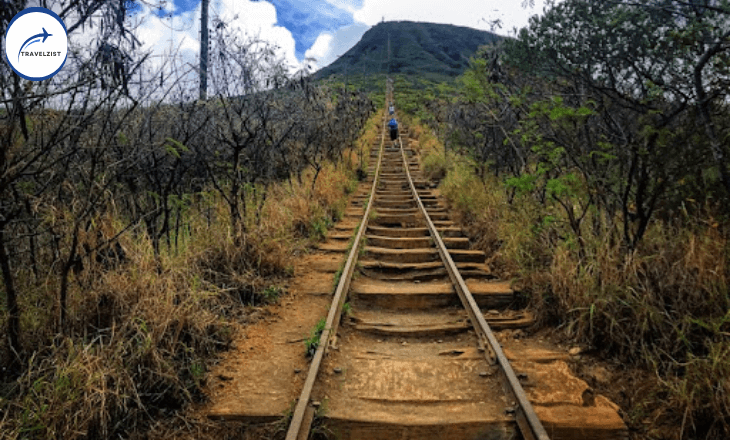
pixel 36 44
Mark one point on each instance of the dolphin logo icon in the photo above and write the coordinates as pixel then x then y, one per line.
pixel 28 42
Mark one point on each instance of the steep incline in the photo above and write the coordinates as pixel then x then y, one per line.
pixel 415 48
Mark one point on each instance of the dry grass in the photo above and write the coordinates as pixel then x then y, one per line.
pixel 143 344
pixel 422 140
pixel 371 136
pixel 663 308
pixel 306 213
pixel 143 334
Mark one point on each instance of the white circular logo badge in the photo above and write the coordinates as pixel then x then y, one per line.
pixel 36 44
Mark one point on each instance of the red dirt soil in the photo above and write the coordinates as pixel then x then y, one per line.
pixel 264 372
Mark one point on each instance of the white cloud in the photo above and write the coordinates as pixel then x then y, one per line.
pixel 258 19
pixel 330 46
pixel 180 35
pixel 173 42
pixel 321 47
pixel 255 19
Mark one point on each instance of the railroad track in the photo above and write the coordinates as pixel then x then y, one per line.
pixel 406 352
pixel 411 355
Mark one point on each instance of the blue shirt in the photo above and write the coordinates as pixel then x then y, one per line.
pixel 392 124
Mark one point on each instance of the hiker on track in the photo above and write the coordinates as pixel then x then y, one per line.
pixel 393 130
pixel 391 109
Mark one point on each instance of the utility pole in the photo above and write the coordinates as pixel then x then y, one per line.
pixel 204 51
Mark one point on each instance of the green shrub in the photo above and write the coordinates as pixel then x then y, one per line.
pixel 312 342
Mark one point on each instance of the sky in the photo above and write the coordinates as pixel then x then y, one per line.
pixel 320 29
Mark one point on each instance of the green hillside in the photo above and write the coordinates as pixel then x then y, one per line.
pixel 438 51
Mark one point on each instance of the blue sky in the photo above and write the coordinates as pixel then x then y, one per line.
pixel 307 20
pixel 186 5
pixel 322 29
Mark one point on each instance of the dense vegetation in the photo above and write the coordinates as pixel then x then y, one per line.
pixel 594 164
pixel 136 224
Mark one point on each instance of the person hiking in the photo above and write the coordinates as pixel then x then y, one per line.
pixel 391 109
pixel 393 130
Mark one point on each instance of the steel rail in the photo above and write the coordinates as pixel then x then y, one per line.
pixel 527 420
pixel 303 413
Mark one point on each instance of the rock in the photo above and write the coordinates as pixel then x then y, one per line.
pixel 575 351
pixel 589 397
pixel 337 370
pixel 600 374
pixel 297 370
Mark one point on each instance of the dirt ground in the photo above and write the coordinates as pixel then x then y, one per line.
pixel 264 372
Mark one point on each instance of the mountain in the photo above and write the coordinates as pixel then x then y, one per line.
pixel 427 49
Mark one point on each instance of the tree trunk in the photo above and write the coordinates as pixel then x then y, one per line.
pixel 32 242
pixel 718 154
pixel 703 106
pixel 314 180
pixel 12 300
pixel 177 228
pixel 235 189
pixel 65 271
